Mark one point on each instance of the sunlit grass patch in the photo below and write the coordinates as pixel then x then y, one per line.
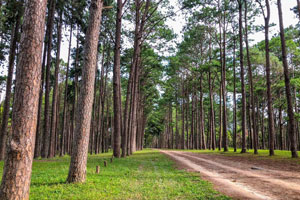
pixel 145 175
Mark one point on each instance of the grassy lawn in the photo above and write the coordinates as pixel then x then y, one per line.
pixel 262 154
pixel 145 175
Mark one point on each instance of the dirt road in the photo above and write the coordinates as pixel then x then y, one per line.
pixel 239 178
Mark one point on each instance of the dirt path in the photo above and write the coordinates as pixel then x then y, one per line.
pixel 241 179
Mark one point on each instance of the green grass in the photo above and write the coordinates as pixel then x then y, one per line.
pixel 262 154
pixel 145 175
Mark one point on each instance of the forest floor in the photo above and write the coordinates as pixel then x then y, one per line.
pixel 244 176
pixel 147 175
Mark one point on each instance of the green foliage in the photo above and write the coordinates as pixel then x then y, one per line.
pixel 145 175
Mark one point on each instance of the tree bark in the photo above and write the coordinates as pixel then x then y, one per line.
pixel 292 132
pixel 225 137
pixel 20 148
pixel 77 171
pixel 63 130
pixel 234 97
pixel 242 78
pixel 11 63
pixel 38 140
pixel 182 116
pixel 55 91
pixel 46 136
pixel 251 92
pixel 117 85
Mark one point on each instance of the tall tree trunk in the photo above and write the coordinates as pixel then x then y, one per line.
pixel 46 136
pixel 100 106
pixel 134 105
pixel 117 85
pixel 234 97
pixel 38 140
pixel 129 95
pixel 263 127
pixel 252 102
pixel 225 144
pixel 77 171
pixel 20 148
pixel 221 129
pixel 290 110
pixel 187 117
pixel 182 116
pixel 244 126
pixel 202 116
pixel 280 127
pixel 63 130
pixel 176 125
pixel 11 63
pixel 55 91
pixel 103 99
pixel 192 119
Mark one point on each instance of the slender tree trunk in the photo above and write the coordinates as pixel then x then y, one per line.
pixel 263 128
pixel 234 97
pixel 77 171
pixel 292 132
pixel 46 136
pixel 182 116
pixel 280 127
pixel 225 137
pixel 20 148
pixel 55 91
pixel 11 63
pixel 244 126
pixel 176 125
pixel 134 108
pixel 63 130
pixel 202 116
pixel 269 83
pixel 103 99
pixel 38 140
pixel 187 117
pixel 117 86
pixel 221 129
pixel 252 102
pixel 129 95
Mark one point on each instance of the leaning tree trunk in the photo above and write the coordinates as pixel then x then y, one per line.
pixel 77 171
pixel 20 148
pixel 292 131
